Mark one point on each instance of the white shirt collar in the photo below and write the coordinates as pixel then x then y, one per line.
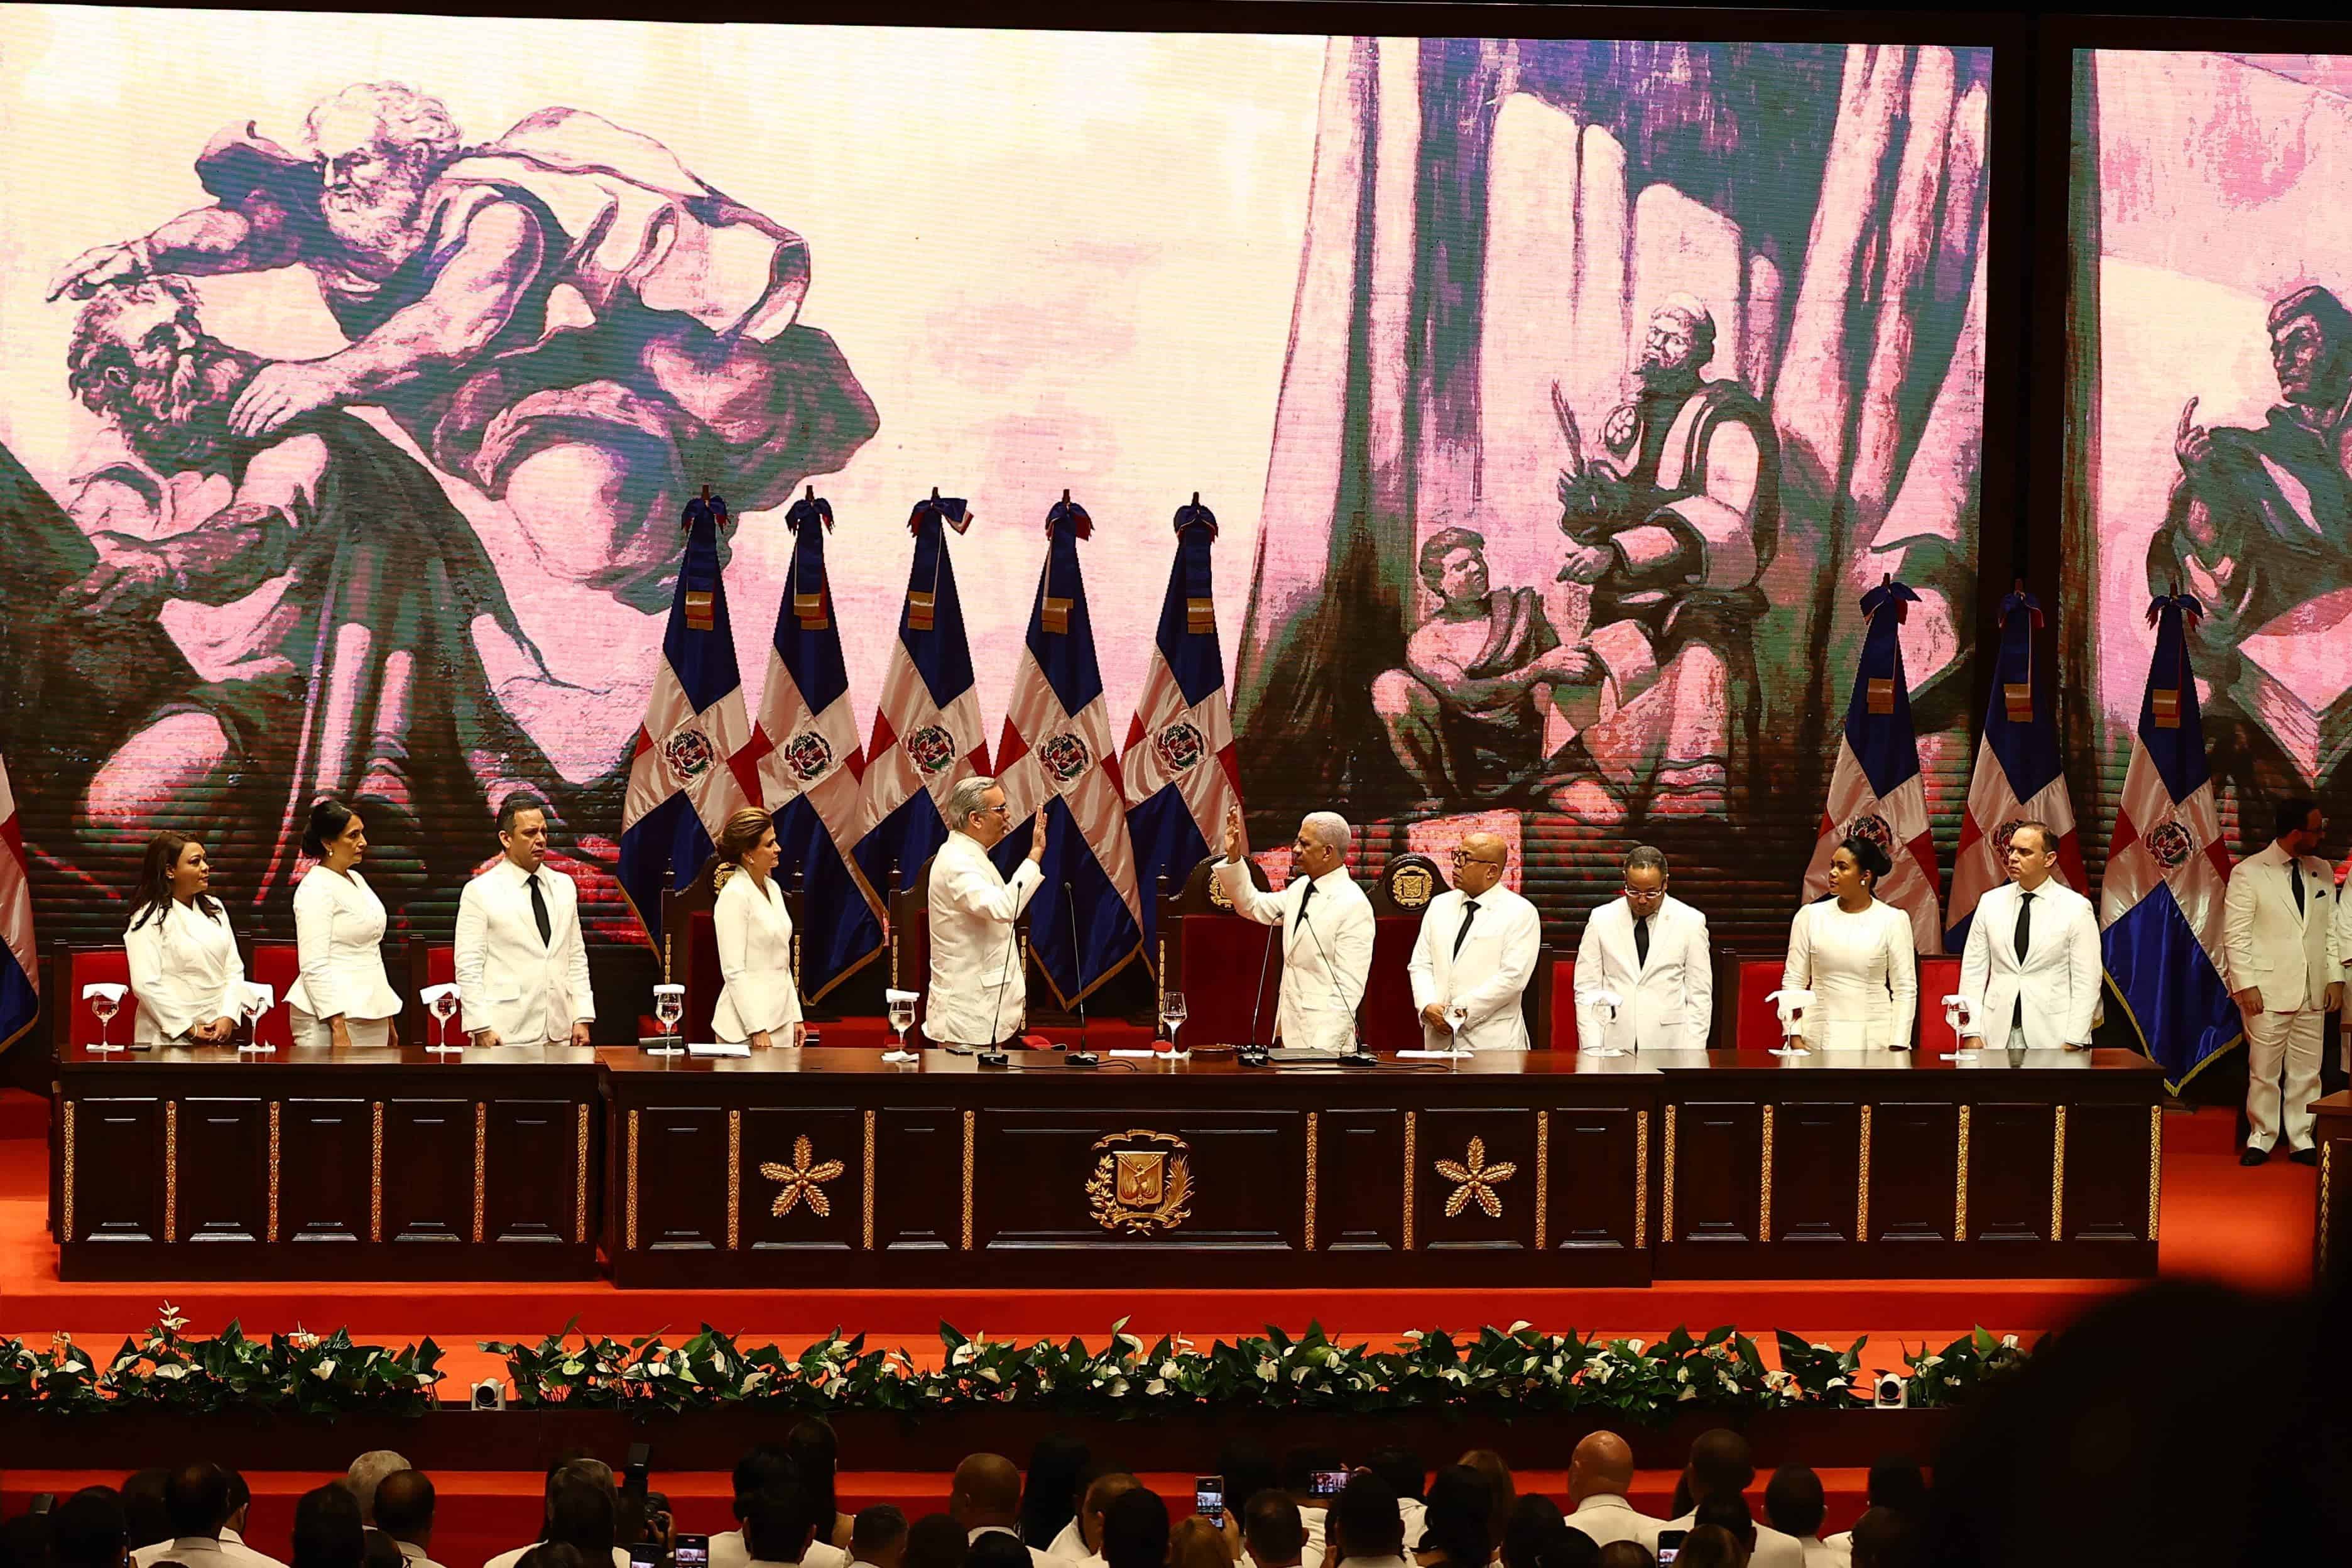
pixel 991 1529
pixel 230 1537
pixel 193 1544
pixel 515 875
pixel 1335 873
pixel 1604 1499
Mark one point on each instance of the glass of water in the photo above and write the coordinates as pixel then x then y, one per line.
pixel 104 1001
pixel 1172 1014
pixel 669 1006
pixel 902 1018
pixel 445 1007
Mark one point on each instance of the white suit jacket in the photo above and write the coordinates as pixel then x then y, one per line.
pixel 185 971
pixel 755 959
pixel 979 994
pixel 1325 959
pixel 1668 1002
pixel 527 990
pixel 2058 978
pixel 339 943
pixel 1487 977
pixel 2287 956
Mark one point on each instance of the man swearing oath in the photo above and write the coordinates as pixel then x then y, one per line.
pixel 1326 931
pixel 978 994
pixel 1475 954
pixel 522 968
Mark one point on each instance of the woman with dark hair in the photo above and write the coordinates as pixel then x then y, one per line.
pixel 1855 955
pixel 1532 1534
pixel 327 1529
pixel 184 967
pixel 1455 1520
pixel 754 933
pixel 342 996
pixel 1502 1490
pixel 1049 1491
pixel 815 1451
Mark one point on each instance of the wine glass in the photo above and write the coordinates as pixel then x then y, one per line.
pixel 1792 1004
pixel 1606 1003
pixel 1456 1017
pixel 105 998
pixel 902 1018
pixel 669 1006
pixel 442 1000
pixel 252 1002
pixel 1957 1012
pixel 1172 1014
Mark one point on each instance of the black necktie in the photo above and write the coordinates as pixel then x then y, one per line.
pixel 1301 919
pixel 2024 939
pixel 1642 942
pixel 539 911
pixel 1469 913
pixel 2294 875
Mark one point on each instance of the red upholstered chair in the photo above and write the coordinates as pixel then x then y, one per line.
pixel 277 964
pixel 1229 968
pixel 71 1021
pixel 1755 1020
pixel 1939 977
pixel 1557 1009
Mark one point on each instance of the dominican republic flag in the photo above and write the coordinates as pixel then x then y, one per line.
pixel 692 769
pixel 810 767
pixel 2167 870
pixel 1182 774
pixel 1875 792
pixel 2017 778
pixel 927 731
pixel 20 986
pixel 1055 757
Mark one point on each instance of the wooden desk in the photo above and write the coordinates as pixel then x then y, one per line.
pixel 1687 1164
pixel 2332 1135
pixel 194 1164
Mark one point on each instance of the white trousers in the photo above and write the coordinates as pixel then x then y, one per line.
pixel 2282 1045
pixel 312 1034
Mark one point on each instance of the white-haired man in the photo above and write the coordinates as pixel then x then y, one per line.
pixel 450 268
pixel 978 994
pixel 1326 931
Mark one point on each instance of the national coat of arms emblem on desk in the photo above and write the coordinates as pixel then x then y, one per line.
pixel 1142 1182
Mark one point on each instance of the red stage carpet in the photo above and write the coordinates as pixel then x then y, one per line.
pixel 2251 1228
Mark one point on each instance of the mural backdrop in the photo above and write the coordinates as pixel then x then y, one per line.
pixel 1558 401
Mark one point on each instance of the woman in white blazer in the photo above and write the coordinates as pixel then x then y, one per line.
pixel 342 996
pixel 755 939
pixel 1854 954
pixel 185 971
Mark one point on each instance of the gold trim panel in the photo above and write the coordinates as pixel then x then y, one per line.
pixel 629 1202
pixel 971 1145
pixel 734 1180
pixel 481 1164
pixel 579 1176
pixel 1411 1141
pixel 2155 1168
pixel 2326 1171
pixel 1543 1180
pixel 1861 1184
pixel 1960 1187
pixel 1314 1140
pixel 865 1228
pixel 1666 1207
pixel 276 1106
pixel 375 1172
pixel 66 1199
pixel 2058 1173
pixel 171 1171
pixel 1764 1182
pixel 1640 1181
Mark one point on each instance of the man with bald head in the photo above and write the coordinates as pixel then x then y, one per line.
pixel 1326 931
pixel 1600 1473
pixel 986 1500
pixel 1475 954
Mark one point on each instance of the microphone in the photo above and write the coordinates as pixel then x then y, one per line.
pixel 1070 908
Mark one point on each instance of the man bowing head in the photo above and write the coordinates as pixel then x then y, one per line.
pixel 1326 931
pixel 1650 948
pixel 978 994
pixel 1475 954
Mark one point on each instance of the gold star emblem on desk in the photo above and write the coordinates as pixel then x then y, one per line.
pixel 804 1178
pixel 1476 1180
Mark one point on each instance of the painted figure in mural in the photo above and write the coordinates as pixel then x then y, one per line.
pixel 1465 716
pixel 2257 529
pixel 1670 534
pixel 565 318
pixel 321 586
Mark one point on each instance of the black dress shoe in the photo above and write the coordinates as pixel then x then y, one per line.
pixel 2306 1156
pixel 2254 1157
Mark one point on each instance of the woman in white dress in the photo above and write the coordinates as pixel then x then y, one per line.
pixel 755 939
pixel 1854 954
pixel 343 997
pixel 184 967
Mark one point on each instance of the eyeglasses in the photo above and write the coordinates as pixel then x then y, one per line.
pixel 1631 892
pixel 1464 858
pixel 1004 810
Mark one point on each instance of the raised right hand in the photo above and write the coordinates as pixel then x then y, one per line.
pixel 1236 846
pixel 2192 445
pixel 2249 1001
pixel 1038 837
pixel 101 266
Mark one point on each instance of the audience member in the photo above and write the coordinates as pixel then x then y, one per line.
pixel 378 1550
pixel 1627 1554
pixel 366 1472
pixel 91 1530
pixel 877 1536
pixel 1500 1486
pixel 997 1549
pixel 240 1512
pixel 404 1513
pixel 814 1450
pixel 1456 1522
pixel 1409 1478
pixel 762 1464
pixel 550 1554
pixel 1729 1513
pixel 1895 1482
pixel 1300 1466
pixel 1794 1502
pixel 1599 1474
pixel 780 1522
pixel 1363 1526
pixel 1135 1531
pixel 327 1528
pixel 25 1542
pixel 935 1540
pixel 1104 1490
pixel 1881 1539
pixel 581 1515
pixel 1709 1546
pixel 199 1500
pixel 142 1506
pixel 985 1498
pixel 1720 1467
pixel 1197 1543
pixel 1247 1470
pixel 1049 1493
pixel 1271 1531
pixel 574 1473
pixel 1533 1520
